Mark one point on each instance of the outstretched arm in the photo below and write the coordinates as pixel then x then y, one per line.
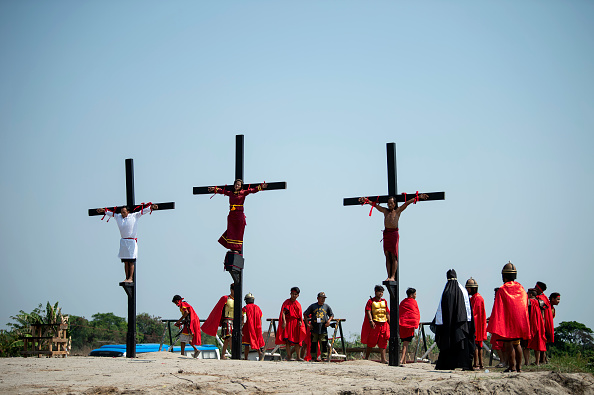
pixel 379 208
pixel 222 191
pixel 422 196
pixel 256 189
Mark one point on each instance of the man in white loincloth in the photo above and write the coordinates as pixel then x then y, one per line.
pixel 128 225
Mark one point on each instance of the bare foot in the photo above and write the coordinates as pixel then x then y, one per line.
pixel 128 280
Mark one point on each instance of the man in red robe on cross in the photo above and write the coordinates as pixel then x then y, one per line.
pixel 232 239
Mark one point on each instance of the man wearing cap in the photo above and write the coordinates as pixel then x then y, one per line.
pixel 252 327
pixel 477 304
pixel 320 316
pixel 509 317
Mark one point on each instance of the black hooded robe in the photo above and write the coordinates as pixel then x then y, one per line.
pixel 455 336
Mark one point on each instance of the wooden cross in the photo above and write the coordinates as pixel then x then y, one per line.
pixel 392 286
pixel 237 274
pixel 130 288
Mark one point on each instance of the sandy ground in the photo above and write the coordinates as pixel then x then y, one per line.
pixel 174 374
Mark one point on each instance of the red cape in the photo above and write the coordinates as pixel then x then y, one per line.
pixel 211 325
pixel 480 317
pixel 194 324
pixel 293 316
pixel 509 317
pixel 548 319
pixel 408 312
pixel 252 329
pixel 366 328
pixel 538 339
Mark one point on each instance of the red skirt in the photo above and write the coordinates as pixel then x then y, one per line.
pixel 378 335
pixel 232 239
pixel 391 240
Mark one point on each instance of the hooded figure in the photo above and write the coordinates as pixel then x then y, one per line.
pixel 453 326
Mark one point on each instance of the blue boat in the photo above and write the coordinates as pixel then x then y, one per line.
pixel 119 350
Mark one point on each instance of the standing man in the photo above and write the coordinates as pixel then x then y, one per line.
pixel 320 315
pixel 509 317
pixel 538 339
pixel 232 239
pixel 222 315
pixel 409 318
pixel 128 225
pixel 477 304
pixel 252 327
pixel 554 298
pixel 453 327
pixel 391 217
pixel 190 326
pixel 376 325
pixel 291 330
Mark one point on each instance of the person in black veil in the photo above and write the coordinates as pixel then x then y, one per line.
pixel 453 326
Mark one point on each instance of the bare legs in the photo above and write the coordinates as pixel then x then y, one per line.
pixel 293 347
pixel 129 270
pixel 514 354
pixel 225 347
pixel 391 265
pixel 478 358
pixel 382 354
pixel 403 357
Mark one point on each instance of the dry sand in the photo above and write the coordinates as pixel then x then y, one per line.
pixel 174 374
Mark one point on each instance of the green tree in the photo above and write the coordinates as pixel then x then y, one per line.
pixel 571 338
pixel 149 328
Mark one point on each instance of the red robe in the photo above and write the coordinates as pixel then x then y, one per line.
pixel 293 332
pixel 194 324
pixel 509 317
pixel 408 317
pixel 252 329
pixel 212 323
pixel 538 338
pixel 366 328
pixel 391 240
pixel 477 303
pixel 548 319
pixel 233 237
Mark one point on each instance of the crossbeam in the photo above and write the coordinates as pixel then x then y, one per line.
pixel 271 186
pixel 399 198
pixel 118 209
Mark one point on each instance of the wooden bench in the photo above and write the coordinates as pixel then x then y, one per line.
pixel 46 340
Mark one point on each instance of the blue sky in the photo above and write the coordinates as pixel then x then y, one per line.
pixel 489 101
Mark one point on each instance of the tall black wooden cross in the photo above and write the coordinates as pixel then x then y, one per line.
pixel 130 288
pixel 392 286
pixel 237 274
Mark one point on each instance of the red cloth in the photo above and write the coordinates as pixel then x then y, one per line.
pixel 548 319
pixel 509 317
pixel 408 314
pixel 380 334
pixel 232 238
pixel 194 324
pixel 538 338
pixel 496 344
pixel 292 332
pixel 391 240
pixel 252 329
pixel 212 323
pixel 477 303
pixel 406 331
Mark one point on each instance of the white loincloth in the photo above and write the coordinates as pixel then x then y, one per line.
pixel 128 249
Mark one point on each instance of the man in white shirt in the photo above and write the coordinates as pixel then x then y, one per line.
pixel 128 225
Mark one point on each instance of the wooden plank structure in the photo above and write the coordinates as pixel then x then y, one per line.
pixel 46 340
pixel 130 288
pixel 393 286
pixel 332 352
pixel 237 273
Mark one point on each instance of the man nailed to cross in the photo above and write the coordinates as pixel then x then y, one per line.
pixel 232 239
pixel 128 225
pixel 391 217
